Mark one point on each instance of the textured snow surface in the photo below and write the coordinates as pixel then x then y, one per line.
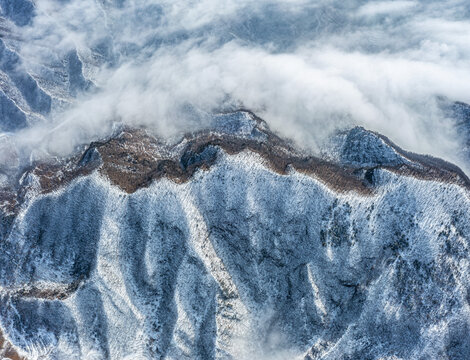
pixel 361 148
pixel 240 263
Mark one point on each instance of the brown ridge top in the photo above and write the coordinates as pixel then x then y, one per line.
pixel 7 351
pixel 128 164
pixel 134 159
pixel 426 167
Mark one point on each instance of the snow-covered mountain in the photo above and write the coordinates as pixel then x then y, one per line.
pixel 145 213
pixel 230 244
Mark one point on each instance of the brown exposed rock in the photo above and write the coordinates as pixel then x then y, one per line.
pixel 426 167
pixel 7 351
pixel 134 159
pixel 58 292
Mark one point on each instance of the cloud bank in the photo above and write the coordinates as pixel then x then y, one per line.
pixel 307 67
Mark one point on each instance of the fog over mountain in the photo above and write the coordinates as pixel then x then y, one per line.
pixel 221 179
pixel 307 67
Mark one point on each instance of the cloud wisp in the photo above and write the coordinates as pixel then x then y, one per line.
pixel 307 67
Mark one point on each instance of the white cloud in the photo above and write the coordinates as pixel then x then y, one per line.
pixel 374 8
pixel 307 67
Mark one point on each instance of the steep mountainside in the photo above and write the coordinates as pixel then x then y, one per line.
pixel 230 244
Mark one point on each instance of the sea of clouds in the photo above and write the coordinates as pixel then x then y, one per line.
pixel 308 68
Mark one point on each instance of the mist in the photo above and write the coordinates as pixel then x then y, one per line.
pixel 308 68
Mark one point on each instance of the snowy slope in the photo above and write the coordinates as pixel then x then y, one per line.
pixel 239 261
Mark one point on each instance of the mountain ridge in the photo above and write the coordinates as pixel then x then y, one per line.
pixel 230 251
